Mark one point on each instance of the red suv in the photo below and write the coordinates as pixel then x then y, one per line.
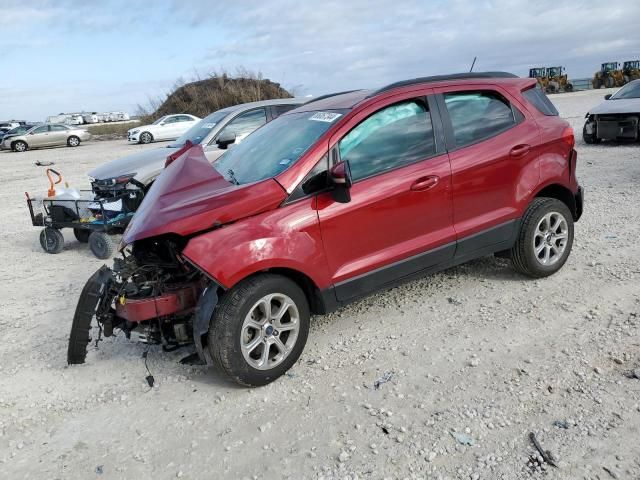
pixel 348 194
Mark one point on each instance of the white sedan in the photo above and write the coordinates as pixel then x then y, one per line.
pixel 168 127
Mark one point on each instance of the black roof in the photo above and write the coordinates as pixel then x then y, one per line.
pixel 329 95
pixel 440 78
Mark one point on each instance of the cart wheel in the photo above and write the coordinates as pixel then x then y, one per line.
pixel 101 245
pixel 81 234
pixel 51 240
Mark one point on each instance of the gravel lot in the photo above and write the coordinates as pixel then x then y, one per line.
pixel 476 354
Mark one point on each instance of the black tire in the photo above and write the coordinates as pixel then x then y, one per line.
pixel 79 337
pixel 19 146
pixel 81 234
pixel 523 255
pixel 51 240
pixel 596 83
pixel 568 87
pixel 225 330
pixel 101 245
pixel 73 141
pixel 589 138
pixel 609 82
pixel 145 137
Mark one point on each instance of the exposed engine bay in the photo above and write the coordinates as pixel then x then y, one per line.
pixel 150 295
pixel 622 126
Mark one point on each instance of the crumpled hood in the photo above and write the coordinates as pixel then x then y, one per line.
pixel 623 105
pixel 191 196
pixel 136 163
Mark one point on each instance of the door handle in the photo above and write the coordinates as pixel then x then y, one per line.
pixel 425 183
pixel 520 150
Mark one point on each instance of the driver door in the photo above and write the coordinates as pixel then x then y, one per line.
pixel 400 219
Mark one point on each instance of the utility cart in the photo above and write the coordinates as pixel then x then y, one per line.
pixel 94 220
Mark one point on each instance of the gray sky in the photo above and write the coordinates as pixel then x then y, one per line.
pixel 69 55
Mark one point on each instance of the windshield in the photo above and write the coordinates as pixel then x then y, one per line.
pixel 630 90
pixel 161 119
pixel 200 130
pixel 275 147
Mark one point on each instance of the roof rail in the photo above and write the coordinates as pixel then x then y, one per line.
pixel 328 95
pixel 439 78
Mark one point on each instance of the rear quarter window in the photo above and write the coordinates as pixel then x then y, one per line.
pixel 538 99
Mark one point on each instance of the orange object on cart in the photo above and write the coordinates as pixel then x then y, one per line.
pixel 52 189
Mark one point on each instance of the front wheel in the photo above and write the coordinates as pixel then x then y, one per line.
pixel 19 146
pixel 545 238
pixel 259 329
pixel 146 137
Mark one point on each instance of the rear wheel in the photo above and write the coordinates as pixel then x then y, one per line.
pixel 101 245
pixel 568 87
pixel 545 238
pixel 19 146
pixel 51 240
pixel 73 141
pixel 146 137
pixel 259 329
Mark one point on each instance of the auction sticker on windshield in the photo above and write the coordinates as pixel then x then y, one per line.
pixel 325 116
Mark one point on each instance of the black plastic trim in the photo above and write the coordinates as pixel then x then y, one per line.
pixel 496 239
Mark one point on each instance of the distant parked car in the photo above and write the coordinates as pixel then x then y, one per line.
pixel 168 127
pixel 215 133
pixel 13 132
pixel 50 135
pixel 617 118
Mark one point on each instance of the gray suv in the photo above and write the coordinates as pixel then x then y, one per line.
pixel 215 133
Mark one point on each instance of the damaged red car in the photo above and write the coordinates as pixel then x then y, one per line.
pixel 348 194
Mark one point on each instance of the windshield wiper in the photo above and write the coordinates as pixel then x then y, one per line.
pixel 232 177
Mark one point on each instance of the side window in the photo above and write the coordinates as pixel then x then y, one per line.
pixel 41 129
pixel 280 109
pixel 478 115
pixel 397 135
pixel 58 128
pixel 245 124
pixel 539 100
pixel 184 118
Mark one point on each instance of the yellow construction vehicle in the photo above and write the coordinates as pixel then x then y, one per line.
pixel 631 70
pixel 557 80
pixel 608 76
pixel 540 74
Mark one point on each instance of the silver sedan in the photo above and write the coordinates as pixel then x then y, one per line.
pixel 51 135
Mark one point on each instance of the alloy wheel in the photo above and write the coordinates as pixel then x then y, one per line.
pixel 550 238
pixel 269 331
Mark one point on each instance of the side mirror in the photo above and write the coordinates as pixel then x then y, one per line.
pixel 607 96
pixel 225 139
pixel 340 177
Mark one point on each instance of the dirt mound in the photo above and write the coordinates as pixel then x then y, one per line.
pixel 205 96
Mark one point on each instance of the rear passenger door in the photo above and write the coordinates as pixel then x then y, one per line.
pixel 493 147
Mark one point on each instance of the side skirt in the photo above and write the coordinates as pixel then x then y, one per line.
pixel 490 241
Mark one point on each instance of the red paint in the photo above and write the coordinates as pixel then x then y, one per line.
pixel 391 216
pixel 169 303
pixel 190 196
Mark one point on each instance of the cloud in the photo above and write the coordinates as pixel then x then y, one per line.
pixel 366 43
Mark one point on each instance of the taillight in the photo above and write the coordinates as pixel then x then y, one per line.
pixel 569 138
